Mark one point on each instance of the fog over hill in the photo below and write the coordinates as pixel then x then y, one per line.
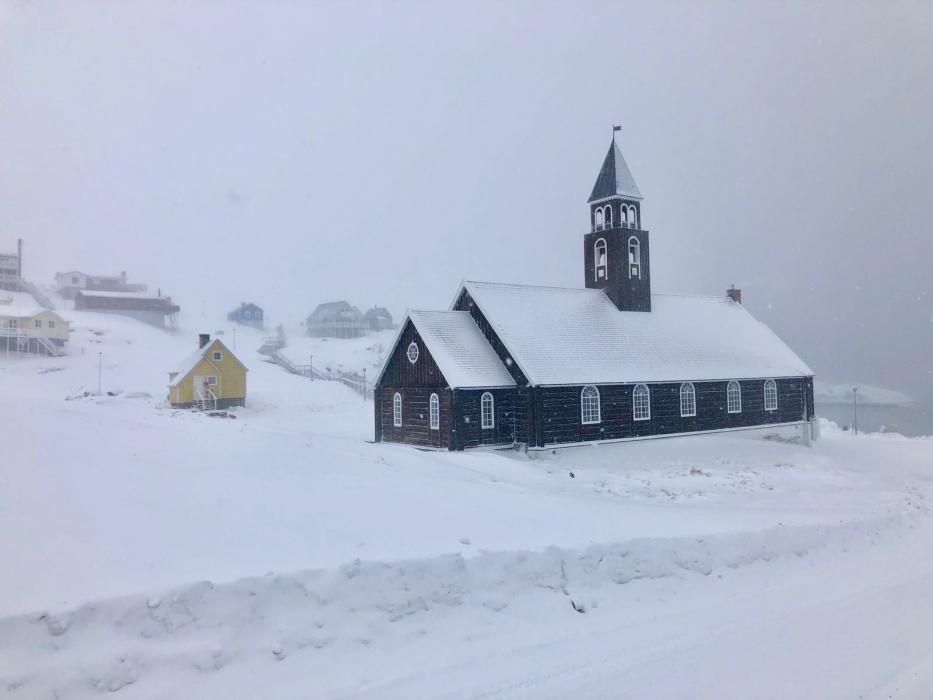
pixel 292 153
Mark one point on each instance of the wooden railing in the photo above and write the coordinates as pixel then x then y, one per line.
pixel 357 382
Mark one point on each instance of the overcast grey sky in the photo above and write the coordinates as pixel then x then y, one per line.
pixel 297 152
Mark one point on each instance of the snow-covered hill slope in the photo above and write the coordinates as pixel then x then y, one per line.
pixel 873 395
pixel 346 568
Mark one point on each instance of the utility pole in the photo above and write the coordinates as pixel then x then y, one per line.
pixel 364 384
pixel 234 338
pixel 100 370
pixel 855 410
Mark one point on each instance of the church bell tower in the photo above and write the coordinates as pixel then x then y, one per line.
pixel 615 251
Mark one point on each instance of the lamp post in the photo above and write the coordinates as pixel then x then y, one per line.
pixel 855 410
pixel 100 369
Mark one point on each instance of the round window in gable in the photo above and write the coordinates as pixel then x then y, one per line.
pixel 413 353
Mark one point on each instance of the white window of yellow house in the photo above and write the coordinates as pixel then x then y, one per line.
pixel 218 356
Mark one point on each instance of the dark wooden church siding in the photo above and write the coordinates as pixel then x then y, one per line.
pixel 415 382
pixel 468 418
pixel 465 303
pixel 416 426
pixel 559 419
pixel 401 372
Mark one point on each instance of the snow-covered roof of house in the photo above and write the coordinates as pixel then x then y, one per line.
pixel 123 295
pixel 578 336
pixel 461 351
pixel 333 310
pixel 185 367
pixel 614 178
pixel 18 304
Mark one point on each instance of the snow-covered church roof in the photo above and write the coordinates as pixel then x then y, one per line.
pixel 564 336
pixel 614 178
pixel 460 350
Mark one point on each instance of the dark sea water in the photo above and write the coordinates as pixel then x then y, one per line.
pixel 913 420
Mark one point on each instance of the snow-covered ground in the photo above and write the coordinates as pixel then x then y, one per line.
pixel 867 394
pixel 162 554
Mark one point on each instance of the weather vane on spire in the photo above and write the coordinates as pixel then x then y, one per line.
pixel 615 128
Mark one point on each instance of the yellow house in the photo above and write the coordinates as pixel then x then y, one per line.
pixel 25 323
pixel 212 377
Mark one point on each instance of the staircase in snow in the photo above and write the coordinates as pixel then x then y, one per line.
pixel 206 400
pixel 357 382
pixel 15 340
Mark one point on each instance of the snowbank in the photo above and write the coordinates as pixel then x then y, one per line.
pixel 179 637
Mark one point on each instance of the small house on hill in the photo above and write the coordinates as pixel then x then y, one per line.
pixel 11 269
pixel 247 314
pixel 210 378
pixel 336 319
pixel 378 318
pixel 25 326
pixel 69 283
pixel 158 311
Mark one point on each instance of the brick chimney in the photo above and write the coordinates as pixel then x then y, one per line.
pixel 734 294
pixel 203 339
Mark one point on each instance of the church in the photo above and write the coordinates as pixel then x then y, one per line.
pixel 538 367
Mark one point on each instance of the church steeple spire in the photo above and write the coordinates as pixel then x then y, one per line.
pixel 616 252
pixel 614 179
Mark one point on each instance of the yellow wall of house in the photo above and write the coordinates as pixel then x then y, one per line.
pixel 28 324
pixel 231 377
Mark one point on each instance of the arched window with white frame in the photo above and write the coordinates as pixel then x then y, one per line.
pixel 487 411
pixel 598 216
pixel 634 258
pixel 734 397
pixel 623 215
pixel 771 398
pixel 397 410
pixel 641 402
pixel 434 412
pixel 590 412
pixel 607 215
pixel 688 400
pixel 601 259
pixel 632 217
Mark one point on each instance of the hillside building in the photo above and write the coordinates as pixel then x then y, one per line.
pixel 336 319
pixel 211 378
pixel 158 311
pixel 26 326
pixel 248 314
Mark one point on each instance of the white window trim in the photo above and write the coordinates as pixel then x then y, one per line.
pixel 217 356
pixel 492 411
pixel 397 410
pixel 434 412
pixel 770 383
pixel 637 262
pixel 596 264
pixel 599 408
pixel 413 352
pixel 647 396
pixel 688 388
pixel 733 384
